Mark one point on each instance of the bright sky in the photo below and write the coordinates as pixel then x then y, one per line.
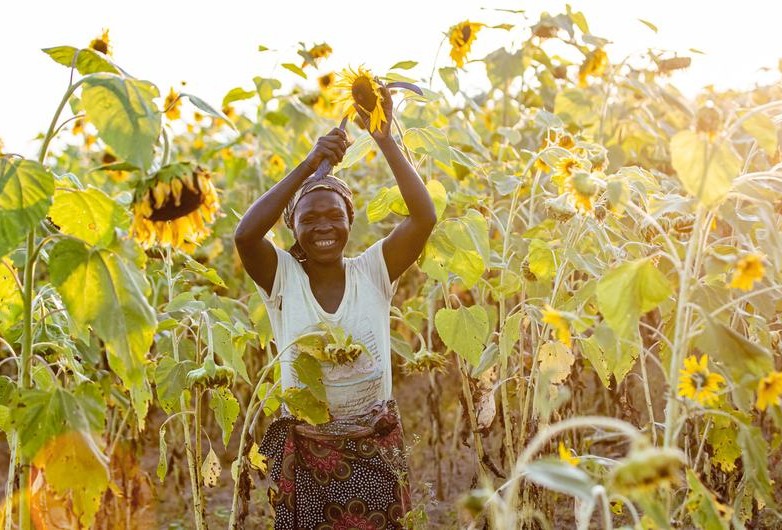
pixel 213 46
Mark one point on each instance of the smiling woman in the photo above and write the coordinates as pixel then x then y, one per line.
pixel 331 321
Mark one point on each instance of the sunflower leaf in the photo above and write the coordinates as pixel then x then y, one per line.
pixel 26 189
pixel 89 215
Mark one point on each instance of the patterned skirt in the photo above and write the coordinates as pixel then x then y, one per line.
pixel 339 475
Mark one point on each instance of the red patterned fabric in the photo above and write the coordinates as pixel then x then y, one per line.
pixel 326 481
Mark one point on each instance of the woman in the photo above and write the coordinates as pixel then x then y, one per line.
pixel 351 471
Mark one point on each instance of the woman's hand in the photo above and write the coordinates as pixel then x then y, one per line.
pixel 384 131
pixel 330 147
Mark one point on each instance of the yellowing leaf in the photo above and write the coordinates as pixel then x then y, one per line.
pixel 211 469
pixel 722 438
pixel 226 409
pixel 11 304
pixel 628 291
pixel 257 460
pixel 305 406
pixel 541 260
pixel 74 465
pixel 705 169
pixel 464 330
pixel 556 359
pixel 763 130
pixel 89 215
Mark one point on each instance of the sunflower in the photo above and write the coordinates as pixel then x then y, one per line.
pixel 174 208
pixel 594 65
pixel 102 44
pixel 78 127
pixel 461 37
pixel 553 138
pixel 581 189
pixel 275 166
pixel 565 168
pixel 565 455
pixel 424 361
pixel 559 323
pixel 769 390
pixel 749 269
pixel 360 90
pixel 315 54
pixel 326 81
pixel 172 104
pixel 697 382
pixel 117 175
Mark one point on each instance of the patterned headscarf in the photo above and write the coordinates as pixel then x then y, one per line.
pixel 313 183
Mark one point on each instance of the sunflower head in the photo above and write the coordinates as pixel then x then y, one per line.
pixel 461 36
pixel 749 270
pixel 697 383
pixel 172 104
pixel 769 390
pixel 360 90
pixel 708 120
pixel 594 65
pixel 102 44
pixel 424 361
pixel 174 207
pixel 326 81
pixel 314 54
pixel 559 323
pixel 646 469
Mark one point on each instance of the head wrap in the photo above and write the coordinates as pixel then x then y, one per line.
pixel 313 183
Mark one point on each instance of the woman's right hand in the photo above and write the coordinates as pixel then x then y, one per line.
pixel 330 147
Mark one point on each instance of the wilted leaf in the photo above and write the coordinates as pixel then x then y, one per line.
pixel 561 477
pixel 226 410
pixel 171 381
pixel 556 359
pixel 305 406
pixel 706 512
pixel 211 469
pixel 162 462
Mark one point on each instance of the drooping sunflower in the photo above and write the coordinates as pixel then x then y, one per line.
pixel 749 270
pixel 594 65
pixel 769 390
pixel 174 207
pixel 360 90
pixel 581 188
pixel 559 323
pixel 326 81
pixel 172 104
pixel 102 44
pixel 461 36
pixel 696 382
pixel 565 168
pixel 315 54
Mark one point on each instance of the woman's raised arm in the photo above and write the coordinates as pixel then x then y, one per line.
pixel 256 252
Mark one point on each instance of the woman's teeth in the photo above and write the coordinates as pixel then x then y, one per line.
pixel 325 243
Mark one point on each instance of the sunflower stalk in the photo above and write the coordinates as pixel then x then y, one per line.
pixel 193 470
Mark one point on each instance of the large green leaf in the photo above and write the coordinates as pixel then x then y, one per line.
pixel 541 260
pixel 89 215
pixel 26 189
pixel 310 373
pixel 458 245
pixel 390 200
pixel 226 409
pixel 428 141
pixel 106 293
pixel 628 291
pixel 171 381
pixel 89 61
pixel 42 415
pixel 464 330
pixel 123 111
pixel 356 152
pixel 705 169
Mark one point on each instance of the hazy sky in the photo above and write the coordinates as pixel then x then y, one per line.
pixel 213 46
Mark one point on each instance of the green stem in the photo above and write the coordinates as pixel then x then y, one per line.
pixel 679 341
pixel 191 466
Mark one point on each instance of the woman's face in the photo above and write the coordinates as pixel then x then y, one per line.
pixel 321 225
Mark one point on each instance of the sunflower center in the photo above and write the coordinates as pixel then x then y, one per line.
pixel 699 379
pixel 466 33
pixel 363 93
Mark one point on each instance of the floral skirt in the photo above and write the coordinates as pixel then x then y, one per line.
pixel 339 475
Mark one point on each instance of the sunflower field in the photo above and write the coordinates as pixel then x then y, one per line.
pixel 591 338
